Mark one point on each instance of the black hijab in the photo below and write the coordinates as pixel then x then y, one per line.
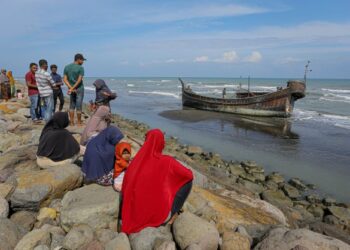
pixel 56 143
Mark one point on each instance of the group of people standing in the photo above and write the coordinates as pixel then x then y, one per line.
pixel 44 89
pixel 7 85
pixel 153 186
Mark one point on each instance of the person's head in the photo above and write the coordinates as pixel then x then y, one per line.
pixel 9 73
pixel 156 139
pixel 53 68
pixel 3 71
pixel 126 155
pixel 33 67
pixel 18 91
pixel 79 59
pixel 43 64
pixel 99 84
pixel 123 150
pixel 60 120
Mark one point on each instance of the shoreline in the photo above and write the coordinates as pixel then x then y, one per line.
pixel 228 194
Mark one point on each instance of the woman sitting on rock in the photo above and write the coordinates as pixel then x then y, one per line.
pixel 98 164
pixel 97 122
pixel 56 144
pixel 155 186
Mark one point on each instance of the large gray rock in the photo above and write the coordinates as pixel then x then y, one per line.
pixel 190 229
pixel 276 198
pixel 330 230
pixel 283 238
pixel 165 245
pixel 34 238
pixel 341 213
pixel 94 205
pixel 4 208
pixel 24 219
pixel 234 241
pixel 78 237
pixel 290 191
pixel 105 235
pixel 9 234
pixel 148 237
pixel 39 188
pixel 121 242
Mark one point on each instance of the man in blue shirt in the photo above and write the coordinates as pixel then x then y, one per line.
pixel 57 91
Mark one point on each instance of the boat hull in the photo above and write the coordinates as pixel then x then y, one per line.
pixel 275 104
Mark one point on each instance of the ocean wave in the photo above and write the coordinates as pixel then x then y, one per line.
pixel 89 88
pixel 337 90
pixel 165 81
pixel 155 93
pixel 130 85
pixel 334 100
pixel 220 86
pixel 338 96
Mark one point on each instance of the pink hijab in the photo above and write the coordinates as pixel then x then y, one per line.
pixel 95 124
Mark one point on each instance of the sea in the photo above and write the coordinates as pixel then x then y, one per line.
pixel 313 144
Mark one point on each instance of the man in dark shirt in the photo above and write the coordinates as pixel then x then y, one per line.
pixel 57 91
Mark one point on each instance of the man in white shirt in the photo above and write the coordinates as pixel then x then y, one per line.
pixel 45 83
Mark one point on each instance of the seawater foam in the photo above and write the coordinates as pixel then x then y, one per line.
pixel 331 119
pixel 155 93
pixel 337 90
pixel 130 85
pixel 89 88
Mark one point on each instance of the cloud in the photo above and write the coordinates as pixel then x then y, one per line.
pixel 201 59
pixel 254 57
pixel 228 57
pixel 290 60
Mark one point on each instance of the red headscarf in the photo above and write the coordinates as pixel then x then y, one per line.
pixel 150 185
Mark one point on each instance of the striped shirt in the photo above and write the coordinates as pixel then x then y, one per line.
pixel 44 82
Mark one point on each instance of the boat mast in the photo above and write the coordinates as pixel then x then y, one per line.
pixel 248 85
pixel 307 70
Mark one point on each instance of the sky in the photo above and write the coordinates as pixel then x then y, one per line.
pixel 219 38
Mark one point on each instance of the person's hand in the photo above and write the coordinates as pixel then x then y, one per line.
pixel 117 187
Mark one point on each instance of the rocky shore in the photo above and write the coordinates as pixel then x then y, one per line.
pixel 233 205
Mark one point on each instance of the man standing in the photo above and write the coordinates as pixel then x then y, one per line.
pixel 4 83
pixel 33 92
pixel 57 91
pixel 73 78
pixel 45 84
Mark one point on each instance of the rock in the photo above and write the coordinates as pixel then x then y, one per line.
pixel 78 207
pixel 78 237
pixel 193 247
pixel 39 188
pixel 56 204
pixel 316 211
pixel 303 203
pixel 147 238
pixel 9 234
pixel 5 173
pixel 283 238
pixel 251 186
pixel 329 230
pixel 6 190
pixel 105 235
pixel 313 198
pixel 275 177
pixel 9 140
pixel 241 230
pixel 234 241
pixel 276 198
pixel 42 247
pixel 121 242
pixel 328 201
pixel 297 183
pixel 249 164
pixel 306 215
pixel 341 213
pixel 236 169
pixel 94 245
pixel 189 228
pixel 16 118
pixel 24 219
pixel 270 185
pixel 253 169
pixel 34 238
pixel 4 208
pixel 192 150
pixel 290 191
pixel 24 112
pixel 16 158
pixel 10 107
pixel 57 241
pixel 165 245
pixel 46 212
pixel 229 209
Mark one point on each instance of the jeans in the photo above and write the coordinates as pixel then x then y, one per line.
pixel 33 106
pixel 76 99
pixel 57 93
pixel 47 107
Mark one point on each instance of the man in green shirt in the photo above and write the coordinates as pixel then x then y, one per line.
pixel 73 78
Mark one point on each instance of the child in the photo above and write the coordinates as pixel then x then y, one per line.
pixel 123 155
pixel 19 94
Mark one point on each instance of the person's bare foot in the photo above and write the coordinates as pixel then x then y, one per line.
pixel 172 219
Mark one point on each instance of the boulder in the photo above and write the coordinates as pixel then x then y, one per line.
pixel 121 242
pixel 236 169
pixel 191 150
pixel 78 237
pixel 4 208
pixel 15 159
pixel 297 183
pixel 10 140
pixel 290 191
pixel 283 238
pixel 251 186
pixel 276 198
pixel 148 237
pixel 94 245
pixel 105 235
pixel 275 177
pixel 234 241
pixel 329 201
pixel 34 238
pixel 38 188
pixel 10 107
pixel 341 213
pixel 329 230
pixel 165 245
pixel 9 234
pixel 78 207
pixel 24 112
pixel 46 212
pixel 193 247
pixel 6 190
pixel 316 211
pixel 16 118
pixel 41 247
pixel 190 229
pixel 24 219
pixel 314 198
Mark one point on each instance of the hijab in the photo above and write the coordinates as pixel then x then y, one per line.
pixel 10 77
pixel 120 162
pixel 57 143
pixel 99 154
pixel 150 185
pixel 101 87
pixel 95 124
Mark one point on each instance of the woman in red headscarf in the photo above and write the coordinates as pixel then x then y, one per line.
pixel 155 186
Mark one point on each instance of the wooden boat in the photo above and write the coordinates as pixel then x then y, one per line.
pixel 279 103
